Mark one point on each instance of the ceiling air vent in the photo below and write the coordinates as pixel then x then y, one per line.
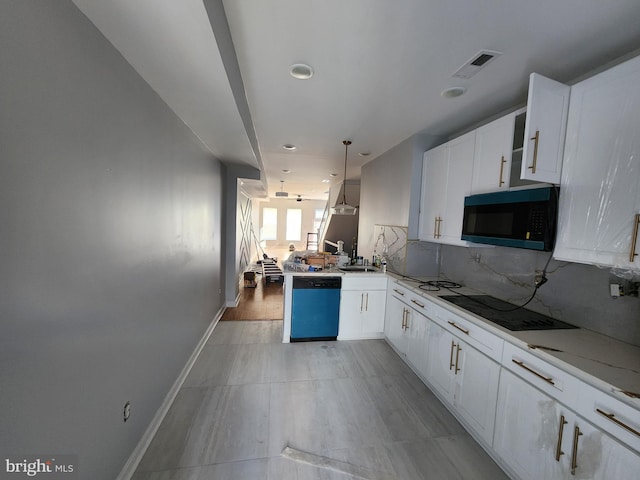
pixel 476 63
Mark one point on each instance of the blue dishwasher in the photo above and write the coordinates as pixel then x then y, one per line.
pixel 315 308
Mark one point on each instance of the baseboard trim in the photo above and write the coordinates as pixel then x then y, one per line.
pixel 136 456
pixel 234 303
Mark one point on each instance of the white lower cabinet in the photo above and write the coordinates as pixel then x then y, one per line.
pixel 417 326
pixel 406 327
pixel 362 307
pixel 511 399
pixel 466 378
pixel 539 438
pixel 394 322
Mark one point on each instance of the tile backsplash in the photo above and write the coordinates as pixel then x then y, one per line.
pixel 576 293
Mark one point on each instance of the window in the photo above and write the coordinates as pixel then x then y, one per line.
pixel 269 223
pixel 317 220
pixel 294 224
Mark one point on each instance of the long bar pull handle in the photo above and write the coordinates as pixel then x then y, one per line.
pixel 455 325
pixel 404 318
pixel 366 302
pixel 574 453
pixel 435 227
pixel 634 238
pixel 439 225
pixel 536 138
pixel 451 355
pixel 530 370
pixel 399 292
pixel 613 418
pixel 502 162
pixel 559 451
pixel 457 359
pixel 417 303
pixel 361 301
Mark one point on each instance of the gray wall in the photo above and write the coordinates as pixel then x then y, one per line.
pixel 390 195
pixel 110 241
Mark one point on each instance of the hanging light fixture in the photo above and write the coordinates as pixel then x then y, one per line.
pixel 343 208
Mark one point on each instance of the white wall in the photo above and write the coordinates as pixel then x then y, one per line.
pixel 280 247
pixel 111 240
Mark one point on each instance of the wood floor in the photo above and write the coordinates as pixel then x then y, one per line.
pixel 348 409
pixel 264 302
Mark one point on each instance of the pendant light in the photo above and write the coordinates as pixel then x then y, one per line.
pixel 343 208
pixel 282 193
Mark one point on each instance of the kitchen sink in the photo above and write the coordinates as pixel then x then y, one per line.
pixel 359 268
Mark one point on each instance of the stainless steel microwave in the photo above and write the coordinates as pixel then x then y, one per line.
pixel 517 218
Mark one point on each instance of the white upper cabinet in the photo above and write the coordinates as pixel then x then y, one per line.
pixel 492 158
pixel 547 109
pixel 599 207
pixel 446 180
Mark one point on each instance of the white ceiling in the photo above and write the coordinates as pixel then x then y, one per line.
pixel 379 69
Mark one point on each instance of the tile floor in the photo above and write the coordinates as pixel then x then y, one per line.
pixel 348 409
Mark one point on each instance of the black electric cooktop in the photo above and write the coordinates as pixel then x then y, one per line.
pixel 505 314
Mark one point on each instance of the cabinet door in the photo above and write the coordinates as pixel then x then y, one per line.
pixel 527 430
pixel 373 313
pixel 545 128
pixel 540 438
pixel 441 356
pixel 597 455
pixel 395 318
pixel 476 390
pixel 417 342
pixel 434 192
pixel 460 171
pixel 351 305
pixel 600 186
pixel 492 157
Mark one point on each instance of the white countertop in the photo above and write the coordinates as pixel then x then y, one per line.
pixel 604 362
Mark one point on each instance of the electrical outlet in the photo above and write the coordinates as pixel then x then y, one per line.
pixel 127 411
pixel 614 290
pixel 539 278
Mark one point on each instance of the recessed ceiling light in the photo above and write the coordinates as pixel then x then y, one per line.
pixel 325 181
pixel 364 154
pixel 453 92
pixel 288 146
pixel 333 174
pixel 286 171
pixel 301 71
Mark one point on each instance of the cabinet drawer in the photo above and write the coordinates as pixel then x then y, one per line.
pixel 399 291
pixel 473 334
pixel 362 281
pixel 551 380
pixel 620 420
